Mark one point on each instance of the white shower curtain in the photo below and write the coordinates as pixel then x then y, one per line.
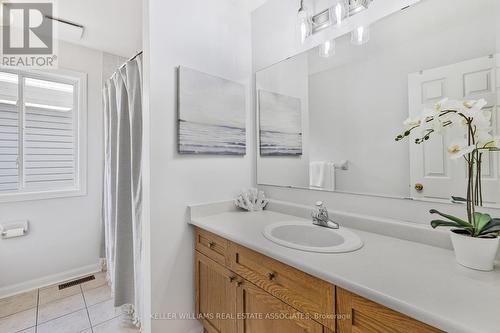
pixel 122 197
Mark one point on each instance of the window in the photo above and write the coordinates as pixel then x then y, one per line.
pixel 42 135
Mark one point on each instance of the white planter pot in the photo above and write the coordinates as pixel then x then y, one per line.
pixel 475 253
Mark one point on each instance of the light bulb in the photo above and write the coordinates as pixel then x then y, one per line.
pixel 304 23
pixel 360 35
pixel 327 49
pixel 340 12
pixel 304 31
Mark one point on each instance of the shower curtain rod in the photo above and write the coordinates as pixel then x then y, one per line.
pixel 135 56
pixel 123 65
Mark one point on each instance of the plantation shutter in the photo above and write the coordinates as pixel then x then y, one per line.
pixel 9 133
pixel 50 135
pixel 38 133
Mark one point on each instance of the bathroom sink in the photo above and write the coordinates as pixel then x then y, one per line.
pixel 312 238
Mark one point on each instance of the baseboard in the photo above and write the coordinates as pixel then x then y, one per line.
pixel 48 280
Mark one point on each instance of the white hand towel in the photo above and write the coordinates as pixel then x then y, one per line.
pixel 317 170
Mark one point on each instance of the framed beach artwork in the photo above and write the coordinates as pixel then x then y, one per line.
pixel 211 114
pixel 280 125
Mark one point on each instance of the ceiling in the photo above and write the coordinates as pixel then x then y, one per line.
pixel 114 26
pixel 250 5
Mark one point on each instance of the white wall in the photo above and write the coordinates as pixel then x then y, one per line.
pixel 273 40
pixel 113 26
pixel 110 63
pixel 289 78
pixel 65 233
pixel 146 173
pixel 212 36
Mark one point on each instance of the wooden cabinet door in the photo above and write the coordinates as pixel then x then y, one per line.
pixel 358 315
pixel 299 290
pixel 215 296
pixel 259 312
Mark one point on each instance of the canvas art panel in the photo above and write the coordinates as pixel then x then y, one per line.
pixel 280 124
pixel 211 114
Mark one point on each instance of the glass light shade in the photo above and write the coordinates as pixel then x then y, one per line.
pixel 339 12
pixel 327 49
pixel 304 24
pixel 360 35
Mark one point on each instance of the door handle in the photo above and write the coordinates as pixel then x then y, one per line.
pixel 419 187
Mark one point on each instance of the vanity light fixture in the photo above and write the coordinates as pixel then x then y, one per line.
pixel 304 22
pixel 334 15
pixel 360 35
pixel 327 49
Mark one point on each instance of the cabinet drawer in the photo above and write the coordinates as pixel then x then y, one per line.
pixel 359 315
pixel 211 245
pixel 298 289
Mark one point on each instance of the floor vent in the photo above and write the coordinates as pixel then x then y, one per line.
pixel 76 282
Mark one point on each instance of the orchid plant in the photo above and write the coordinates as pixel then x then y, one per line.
pixel 475 122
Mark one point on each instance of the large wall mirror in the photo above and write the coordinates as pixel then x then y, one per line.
pixel 330 123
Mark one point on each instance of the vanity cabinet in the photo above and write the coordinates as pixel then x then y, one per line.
pixel 242 291
pixel 227 303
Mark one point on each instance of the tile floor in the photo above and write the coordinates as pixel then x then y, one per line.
pixel 86 308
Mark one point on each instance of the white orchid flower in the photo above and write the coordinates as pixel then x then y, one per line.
pixel 412 122
pixel 475 104
pixel 449 113
pixel 460 149
pixel 483 136
pixel 482 119
pixel 452 117
pixel 447 104
pixel 428 112
pixel 437 125
pixel 473 107
pixel 439 105
pixel 451 104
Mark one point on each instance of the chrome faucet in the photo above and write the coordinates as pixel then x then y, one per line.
pixel 320 217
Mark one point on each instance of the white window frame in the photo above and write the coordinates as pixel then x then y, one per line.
pixel 79 81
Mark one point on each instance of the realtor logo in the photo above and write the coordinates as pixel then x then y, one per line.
pixel 27 28
pixel 27 34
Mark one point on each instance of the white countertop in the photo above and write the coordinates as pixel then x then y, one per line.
pixel 421 281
